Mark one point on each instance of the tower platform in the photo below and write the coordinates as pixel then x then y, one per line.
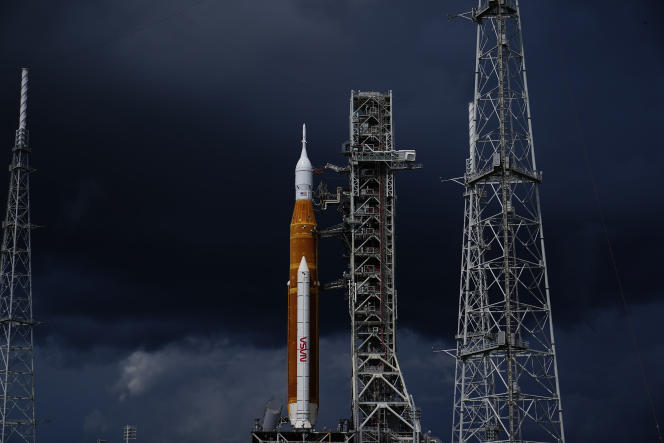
pixel 298 436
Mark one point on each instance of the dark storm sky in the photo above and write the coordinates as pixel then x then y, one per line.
pixel 166 132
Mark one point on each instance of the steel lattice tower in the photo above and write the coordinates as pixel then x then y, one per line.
pixel 382 409
pixel 506 386
pixel 16 345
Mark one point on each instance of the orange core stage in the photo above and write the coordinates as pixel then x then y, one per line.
pixel 303 243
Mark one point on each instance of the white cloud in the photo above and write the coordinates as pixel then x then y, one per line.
pixel 139 372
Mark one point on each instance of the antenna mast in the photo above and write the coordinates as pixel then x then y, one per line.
pixel 17 410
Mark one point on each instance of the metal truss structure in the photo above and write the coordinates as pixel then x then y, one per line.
pixel 299 437
pixel 17 410
pixel 382 409
pixel 506 382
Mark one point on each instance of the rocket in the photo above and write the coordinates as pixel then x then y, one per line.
pixel 303 300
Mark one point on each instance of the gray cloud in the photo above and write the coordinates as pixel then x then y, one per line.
pixel 197 389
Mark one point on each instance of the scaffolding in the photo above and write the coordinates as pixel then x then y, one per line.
pixel 382 408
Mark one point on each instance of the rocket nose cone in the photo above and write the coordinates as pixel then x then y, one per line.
pixel 303 163
pixel 303 265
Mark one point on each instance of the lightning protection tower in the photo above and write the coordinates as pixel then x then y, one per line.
pixel 506 386
pixel 17 410
pixel 382 409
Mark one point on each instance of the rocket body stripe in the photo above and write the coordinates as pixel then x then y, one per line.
pixel 303 378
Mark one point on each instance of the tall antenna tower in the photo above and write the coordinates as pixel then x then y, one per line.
pixel 17 410
pixel 382 409
pixel 506 386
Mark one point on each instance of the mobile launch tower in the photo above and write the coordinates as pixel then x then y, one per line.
pixel 17 410
pixel 381 406
pixel 506 382
pixel 382 409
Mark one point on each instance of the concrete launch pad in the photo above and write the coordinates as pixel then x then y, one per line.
pixel 295 436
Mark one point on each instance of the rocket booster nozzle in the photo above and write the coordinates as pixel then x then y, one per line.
pixel 303 171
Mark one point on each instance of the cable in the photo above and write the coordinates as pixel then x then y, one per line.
pixel 614 264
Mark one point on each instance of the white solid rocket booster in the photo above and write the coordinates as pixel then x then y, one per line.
pixel 302 415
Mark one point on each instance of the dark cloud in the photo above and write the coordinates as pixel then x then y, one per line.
pixel 165 134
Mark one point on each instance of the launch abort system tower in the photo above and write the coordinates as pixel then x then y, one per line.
pixel 17 410
pixel 506 387
pixel 382 409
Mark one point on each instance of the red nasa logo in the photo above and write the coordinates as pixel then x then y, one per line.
pixel 303 349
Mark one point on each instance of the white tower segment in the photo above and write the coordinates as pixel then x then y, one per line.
pixel 506 387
